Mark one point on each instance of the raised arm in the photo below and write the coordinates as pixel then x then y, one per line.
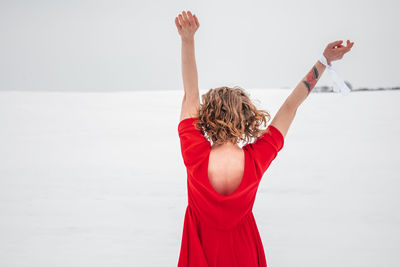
pixel 287 112
pixel 187 24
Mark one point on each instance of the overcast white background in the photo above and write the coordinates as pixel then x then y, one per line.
pixel 97 179
pixel 134 45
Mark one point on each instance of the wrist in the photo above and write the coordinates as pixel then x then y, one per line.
pixel 328 61
pixel 188 39
pixel 325 61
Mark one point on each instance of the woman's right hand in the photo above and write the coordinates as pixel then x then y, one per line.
pixel 187 24
pixel 335 50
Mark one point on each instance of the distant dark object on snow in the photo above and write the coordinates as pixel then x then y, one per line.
pixel 325 88
pixel 377 89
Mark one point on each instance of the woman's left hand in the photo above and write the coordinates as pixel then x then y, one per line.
pixel 187 24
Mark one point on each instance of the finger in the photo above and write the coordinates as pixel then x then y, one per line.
pixel 181 20
pixel 185 18
pixel 348 47
pixel 177 24
pixel 191 19
pixel 333 44
pixel 196 20
pixel 349 43
pixel 342 50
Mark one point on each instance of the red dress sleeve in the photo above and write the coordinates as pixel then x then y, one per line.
pixel 194 145
pixel 266 148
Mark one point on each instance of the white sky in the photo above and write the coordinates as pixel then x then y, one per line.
pixel 132 45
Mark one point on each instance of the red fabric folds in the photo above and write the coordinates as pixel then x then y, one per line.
pixel 221 230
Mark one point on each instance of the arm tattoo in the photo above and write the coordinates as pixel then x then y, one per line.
pixel 311 79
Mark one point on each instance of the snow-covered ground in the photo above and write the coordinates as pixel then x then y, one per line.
pixel 97 179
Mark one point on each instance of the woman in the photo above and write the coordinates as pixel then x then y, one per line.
pixel 222 178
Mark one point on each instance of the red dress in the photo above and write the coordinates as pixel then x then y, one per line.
pixel 221 230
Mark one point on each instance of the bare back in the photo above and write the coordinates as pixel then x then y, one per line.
pixel 225 169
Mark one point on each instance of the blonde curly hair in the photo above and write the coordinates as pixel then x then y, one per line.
pixel 228 115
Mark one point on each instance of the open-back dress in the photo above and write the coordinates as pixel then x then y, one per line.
pixel 220 230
